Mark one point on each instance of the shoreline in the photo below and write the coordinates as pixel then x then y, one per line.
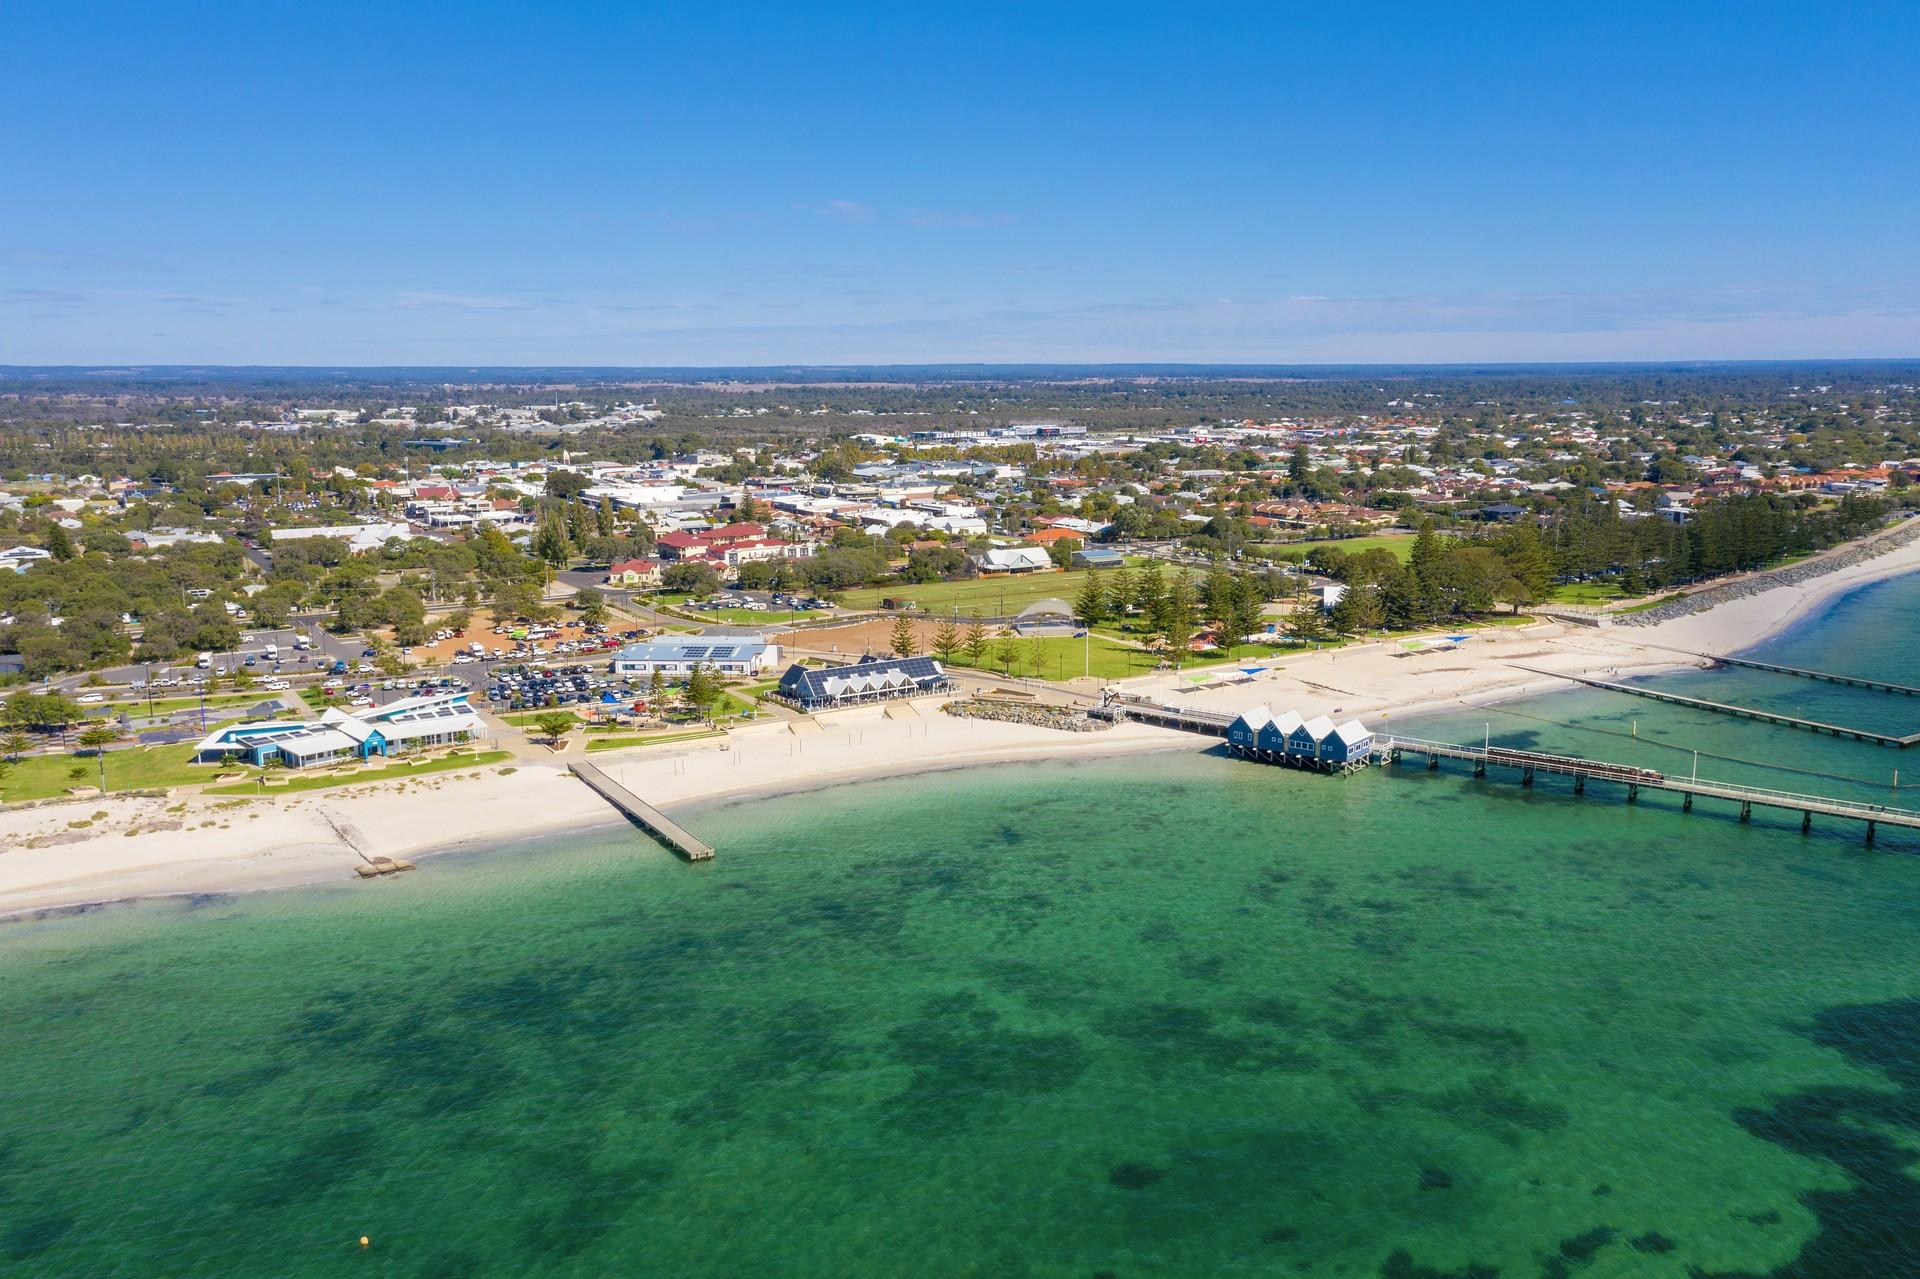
pixel 67 858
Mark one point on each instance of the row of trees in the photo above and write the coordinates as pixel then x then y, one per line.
pixel 1731 534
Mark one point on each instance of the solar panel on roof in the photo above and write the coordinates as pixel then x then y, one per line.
pixel 722 652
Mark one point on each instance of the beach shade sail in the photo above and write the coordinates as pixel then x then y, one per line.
pixel 1458 638
pixel 1251 670
pixel 1413 644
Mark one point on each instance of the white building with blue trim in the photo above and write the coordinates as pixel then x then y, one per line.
pixel 411 724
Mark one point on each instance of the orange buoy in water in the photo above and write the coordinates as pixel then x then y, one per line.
pixel 364 1241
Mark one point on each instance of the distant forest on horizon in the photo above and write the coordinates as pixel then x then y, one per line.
pixel 829 400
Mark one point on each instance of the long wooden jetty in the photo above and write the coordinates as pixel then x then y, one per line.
pixel 1798 672
pixel 1801 672
pixel 642 814
pixel 1392 750
pixel 1727 708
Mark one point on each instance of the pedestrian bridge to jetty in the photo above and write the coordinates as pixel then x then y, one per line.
pixel 1188 719
pixel 1393 750
pixel 1727 708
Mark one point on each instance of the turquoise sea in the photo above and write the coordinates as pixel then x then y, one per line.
pixel 1174 1015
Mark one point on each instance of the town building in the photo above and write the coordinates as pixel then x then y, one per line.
pixel 1013 559
pixel 360 538
pixel 730 544
pixel 871 679
pixel 155 538
pixel 21 558
pixel 397 728
pixel 1098 557
pixel 634 573
pixel 680 655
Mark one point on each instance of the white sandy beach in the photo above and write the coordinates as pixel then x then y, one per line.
pixel 107 849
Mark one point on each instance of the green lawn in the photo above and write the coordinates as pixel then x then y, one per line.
pixel 1644 605
pixel 527 719
pixel 136 768
pixel 1600 592
pixel 623 743
pixel 320 781
pixel 1401 544
pixel 1001 596
pixel 1065 658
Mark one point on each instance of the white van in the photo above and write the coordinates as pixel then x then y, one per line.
pixel 203 661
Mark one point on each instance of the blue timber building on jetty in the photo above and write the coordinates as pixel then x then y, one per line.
pixel 1317 744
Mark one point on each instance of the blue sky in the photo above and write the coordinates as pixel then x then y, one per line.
pixel 699 184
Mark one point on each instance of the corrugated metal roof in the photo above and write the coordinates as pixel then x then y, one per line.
pixel 830 683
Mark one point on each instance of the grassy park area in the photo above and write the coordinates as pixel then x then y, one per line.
pixel 355 777
pixel 1064 658
pixel 1401 544
pixel 1003 595
pixel 1595 592
pixel 527 719
pixel 136 768
pixel 659 739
